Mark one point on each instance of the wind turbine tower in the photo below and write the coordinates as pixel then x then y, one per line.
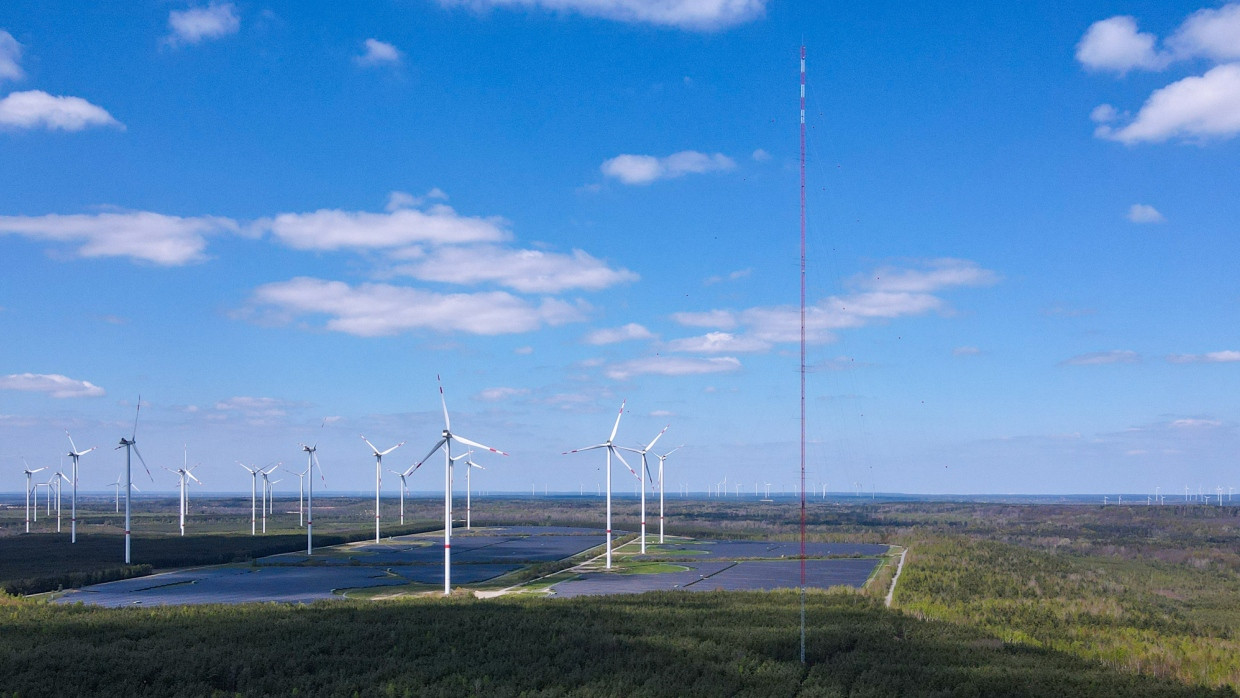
pixel 611 450
pixel 379 478
pixel 75 454
pixel 131 446
pixel 30 488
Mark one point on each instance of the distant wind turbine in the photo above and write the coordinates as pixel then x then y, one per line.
pixel 301 495
pixel 445 442
pixel 379 477
pixel 469 467
pixel 312 460
pixel 75 454
pixel 29 489
pixel 661 459
pixel 182 473
pixel 403 488
pixel 611 450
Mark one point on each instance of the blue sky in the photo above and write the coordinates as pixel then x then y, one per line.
pixel 279 221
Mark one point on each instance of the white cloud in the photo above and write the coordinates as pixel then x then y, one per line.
pixel 734 276
pixel 500 394
pixel 1214 357
pixel 1103 114
pixel 644 169
pixel 719 343
pixel 697 15
pixel 889 293
pixel 760 155
pixel 53 384
pixel 1115 44
pixel 10 57
pixel 1191 423
pixel 372 310
pixel 198 24
pixel 1144 213
pixel 255 407
pixel 613 335
pixel 966 351
pixel 1195 108
pixel 1099 358
pixel 403 199
pixel 672 366
pixel 35 109
pixel 1210 33
pixel 378 53
pixel 141 235
pixel 527 271
pixel 333 229
pixel 937 274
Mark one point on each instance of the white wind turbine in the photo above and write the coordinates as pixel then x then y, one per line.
pixel 131 445
pixel 58 478
pixel 404 487
pixel 267 492
pixel 445 442
pixel 29 489
pixel 611 450
pixel 75 454
pixel 661 459
pixel 301 495
pixel 312 460
pixel 646 469
pixel 469 466
pixel 253 497
pixel 117 485
pixel 379 479
pixel 182 473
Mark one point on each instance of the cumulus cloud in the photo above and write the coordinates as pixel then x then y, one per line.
pixel 719 343
pixel 695 15
pixel 333 229
pixel 199 24
pixel 760 155
pixel 375 52
pixel 10 57
pixel 1144 213
pixel 38 109
pixel 527 271
pixel 936 274
pixel 1195 108
pixel 644 169
pixel 734 276
pixel 614 335
pixel 403 199
pixel 141 235
pixel 500 394
pixel 1099 358
pixel 372 310
pixel 1211 33
pixel 1214 357
pixel 53 384
pixel 1114 44
pixel 255 407
pixel 672 366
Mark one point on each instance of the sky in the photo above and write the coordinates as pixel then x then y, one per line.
pixel 279 222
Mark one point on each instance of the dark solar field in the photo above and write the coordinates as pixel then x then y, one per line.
pixel 741 549
pixel 476 557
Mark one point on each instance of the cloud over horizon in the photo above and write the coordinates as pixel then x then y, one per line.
pixel 38 109
pixel 694 15
pixel 53 384
pixel 644 169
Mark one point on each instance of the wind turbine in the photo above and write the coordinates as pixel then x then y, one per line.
pixel 75 454
pixel 300 495
pixel 131 445
pixel 646 469
pixel 253 497
pixel 311 460
pixel 611 450
pixel 182 473
pixel 445 442
pixel 267 492
pixel 30 488
pixel 379 478
pixel 58 478
pixel 661 459
pixel 469 466
pixel 403 488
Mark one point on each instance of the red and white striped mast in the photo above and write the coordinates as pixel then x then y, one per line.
pixel 802 354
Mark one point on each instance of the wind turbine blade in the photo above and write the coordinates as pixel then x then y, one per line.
pixel 191 476
pixel 38 469
pixel 315 457
pixel 587 448
pixel 475 444
pixel 617 426
pixel 136 412
pixel 394 472
pixel 665 455
pixel 447 424
pixel 143 462
pixel 134 486
pixel 656 438
pixel 71 444
pixel 273 469
pixel 248 469
pixel 372 446
pixel 626 463
pixel 417 465
pixel 402 443
pixel 168 469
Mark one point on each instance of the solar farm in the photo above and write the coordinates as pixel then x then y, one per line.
pixel 483 558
